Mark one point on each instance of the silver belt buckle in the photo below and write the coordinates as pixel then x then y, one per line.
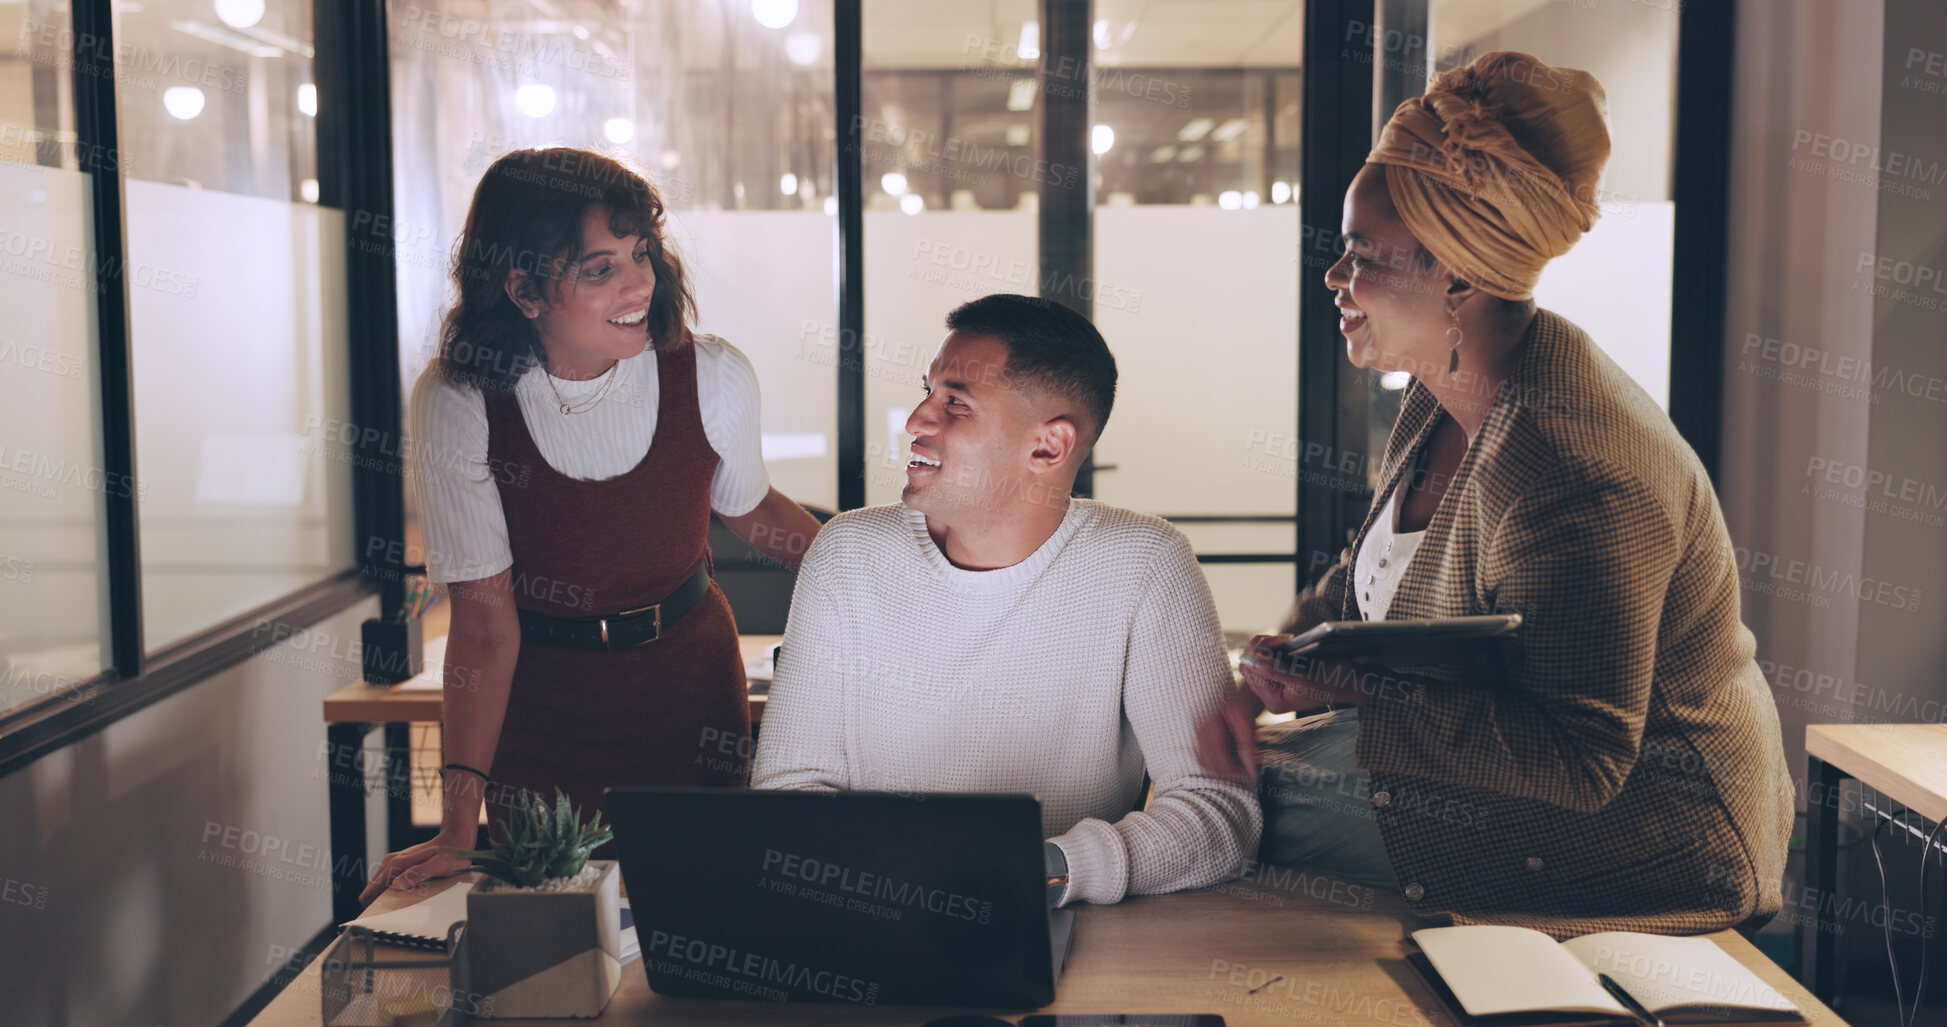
pixel 655 608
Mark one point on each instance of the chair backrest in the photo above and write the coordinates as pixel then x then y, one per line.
pixel 758 589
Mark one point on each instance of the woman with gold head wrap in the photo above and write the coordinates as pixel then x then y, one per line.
pixel 1621 765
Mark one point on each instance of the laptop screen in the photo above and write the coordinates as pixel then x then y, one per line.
pixel 849 897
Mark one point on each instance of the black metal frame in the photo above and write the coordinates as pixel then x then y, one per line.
pixel 1332 397
pixel 353 68
pixel 1065 220
pixel 95 124
pixel 355 169
pixel 1819 935
pixel 1700 186
pixel 848 52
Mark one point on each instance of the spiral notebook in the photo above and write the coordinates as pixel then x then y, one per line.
pixel 422 925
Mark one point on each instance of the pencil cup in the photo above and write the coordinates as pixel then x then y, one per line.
pixel 392 650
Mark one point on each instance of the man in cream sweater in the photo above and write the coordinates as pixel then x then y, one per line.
pixel 990 634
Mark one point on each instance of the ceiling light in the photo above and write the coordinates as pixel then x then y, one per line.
pixel 911 203
pixel 240 14
pixel 1194 131
pixel 1019 134
pixel 788 184
pixel 1101 34
pixel 309 190
pixel 1100 138
pixel 307 99
pixel 1190 154
pixel 1030 47
pixel 1230 199
pixel 1228 130
pixel 535 100
pixel 1020 94
pixel 1280 192
pixel 774 14
pixel 239 41
pixel 803 48
pixel 618 130
pixel 1163 154
pixel 893 182
pixel 183 102
pixel 1250 199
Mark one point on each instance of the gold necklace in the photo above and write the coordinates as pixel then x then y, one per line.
pixel 589 404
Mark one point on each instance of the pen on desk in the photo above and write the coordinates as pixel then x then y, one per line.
pixel 1266 984
pixel 1636 1009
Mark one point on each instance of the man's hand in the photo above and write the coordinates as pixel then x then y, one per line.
pixel 1287 684
pixel 1227 739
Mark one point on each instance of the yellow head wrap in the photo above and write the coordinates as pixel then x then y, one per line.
pixel 1494 169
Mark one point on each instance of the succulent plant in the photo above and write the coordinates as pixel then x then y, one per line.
pixel 539 844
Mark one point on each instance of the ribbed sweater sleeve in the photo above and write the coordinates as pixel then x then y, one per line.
pixel 1198 829
pixel 803 740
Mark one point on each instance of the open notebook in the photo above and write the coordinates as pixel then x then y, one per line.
pixel 1496 975
pixel 422 925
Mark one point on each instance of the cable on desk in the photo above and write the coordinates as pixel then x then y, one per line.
pixel 1926 937
pixel 1886 904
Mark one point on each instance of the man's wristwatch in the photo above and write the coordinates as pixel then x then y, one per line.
pixel 1057 874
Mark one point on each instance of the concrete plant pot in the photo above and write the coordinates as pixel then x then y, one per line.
pixel 545 954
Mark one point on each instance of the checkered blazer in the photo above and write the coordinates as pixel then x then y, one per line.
pixel 1621 768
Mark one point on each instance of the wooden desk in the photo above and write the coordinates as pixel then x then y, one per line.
pixel 351 714
pixel 1906 763
pixel 1311 959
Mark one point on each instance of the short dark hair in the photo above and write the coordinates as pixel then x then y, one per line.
pixel 1048 346
pixel 527 213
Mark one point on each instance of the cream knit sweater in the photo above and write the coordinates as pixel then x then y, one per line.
pixel 1061 676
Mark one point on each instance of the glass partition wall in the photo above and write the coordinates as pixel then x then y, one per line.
pixel 1190 174
pixel 53 586
pixel 1192 148
pixel 232 274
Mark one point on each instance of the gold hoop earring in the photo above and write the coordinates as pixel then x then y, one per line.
pixel 1453 354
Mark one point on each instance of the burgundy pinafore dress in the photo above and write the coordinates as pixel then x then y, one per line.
pixel 654 714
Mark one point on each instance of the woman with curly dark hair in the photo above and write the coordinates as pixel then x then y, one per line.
pixel 570 444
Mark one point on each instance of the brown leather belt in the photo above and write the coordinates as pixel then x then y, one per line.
pixel 624 630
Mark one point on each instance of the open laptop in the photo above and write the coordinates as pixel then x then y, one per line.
pixel 862 897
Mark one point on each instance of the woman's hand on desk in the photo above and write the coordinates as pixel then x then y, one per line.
pixel 412 867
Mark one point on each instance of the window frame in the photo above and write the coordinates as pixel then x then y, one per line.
pixel 354 127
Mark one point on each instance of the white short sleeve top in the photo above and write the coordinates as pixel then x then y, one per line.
pixel 460 517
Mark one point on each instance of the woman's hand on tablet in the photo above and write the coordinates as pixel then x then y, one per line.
pixel 1286 684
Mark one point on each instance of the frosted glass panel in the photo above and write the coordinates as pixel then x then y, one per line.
pixel 764 282
pixel 241 401
pixel 917 269
pixel 53 628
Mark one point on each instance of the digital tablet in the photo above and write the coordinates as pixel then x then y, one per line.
pixel 1438 640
